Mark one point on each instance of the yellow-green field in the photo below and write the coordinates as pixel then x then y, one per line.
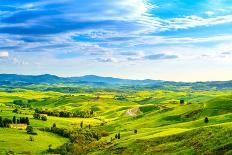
pixel 18 141
pixel 163 124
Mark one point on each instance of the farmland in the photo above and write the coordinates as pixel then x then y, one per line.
pixel 124 121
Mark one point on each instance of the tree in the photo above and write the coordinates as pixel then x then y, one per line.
pixel 81 124
pixel 37 110
pixel 206 120
pixel 36 116
pixel 135 131
pixel 6 122
pixel 49 147
pixel 54 125
pixel 119 136
pixel 44 118
pixel 91 112
pixel 31 138
pixel 27 121
pixel 15 110
pixel 89 126
pixel 29 129
pixel 1 121
pixel 181 101
pixel 14 120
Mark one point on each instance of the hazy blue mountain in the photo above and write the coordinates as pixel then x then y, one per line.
pixel 47 78
pixel 93 80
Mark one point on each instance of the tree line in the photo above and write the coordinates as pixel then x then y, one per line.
pixel 81 114
pixel 81 139
pixel 5 122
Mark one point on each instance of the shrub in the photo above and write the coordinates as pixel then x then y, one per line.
pixel 29 129
pixel 119 136
pixel 15 110
pixel 31 138
pixel 44 118
pixel 136 131
pixel 206 120
pixel 104 134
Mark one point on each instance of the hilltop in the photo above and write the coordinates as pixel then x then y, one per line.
pixel 93 80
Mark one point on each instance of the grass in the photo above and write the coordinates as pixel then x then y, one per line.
pixel 164 126
pixel 18 141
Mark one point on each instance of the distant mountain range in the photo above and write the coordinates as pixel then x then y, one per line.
pixel 47 78
pixel 93 80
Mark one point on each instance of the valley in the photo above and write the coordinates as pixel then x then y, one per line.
pixel 102 120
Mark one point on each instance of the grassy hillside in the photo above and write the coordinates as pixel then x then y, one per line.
pixel 18 141
pixel 148 121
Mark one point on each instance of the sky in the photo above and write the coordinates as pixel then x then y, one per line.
pixel 177 40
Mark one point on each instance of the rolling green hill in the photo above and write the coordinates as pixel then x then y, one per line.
pixel 148 121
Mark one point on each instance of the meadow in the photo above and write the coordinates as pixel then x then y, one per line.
pixel 127 121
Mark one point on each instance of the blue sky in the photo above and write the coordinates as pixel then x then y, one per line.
pixel 180 40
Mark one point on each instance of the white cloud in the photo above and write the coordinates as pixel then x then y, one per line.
pixel 110 60
pixel 209 13
pixel 195 21
pixel 4 54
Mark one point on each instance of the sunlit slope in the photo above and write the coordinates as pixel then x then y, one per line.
pixel 218 105
pixel 207 140
pixel 18 141
pixel 153 114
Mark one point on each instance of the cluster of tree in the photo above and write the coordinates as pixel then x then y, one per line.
pixel 80 147
pixel 21 120
pixel 120 98
pixel 15 110
pixel 30 130
pixel 81 140
pixel 81 114
pixel 117 136
pixel 82 125
pixel 6 121
pixel 22 103
pixel 82 89
pixel 39 116
pixel 72 134
pixel 65 89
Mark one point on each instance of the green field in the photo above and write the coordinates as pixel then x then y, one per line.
pixel 18 141
pixel 163 125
